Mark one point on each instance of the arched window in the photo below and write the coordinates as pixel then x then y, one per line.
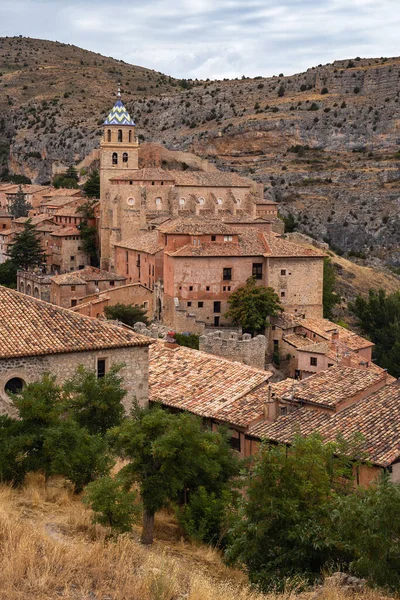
pixel 131 201
pixel 219 200
pixel 21 287
pixel 158 203
pixel 125 157
pixel 130 136
pixel 237 200
pixel 201 200
pixel 109 135
pixel 36 292
pixel 182 202
pixel 120 135
pixel 115 158
pixel 14 385
pixel 29 289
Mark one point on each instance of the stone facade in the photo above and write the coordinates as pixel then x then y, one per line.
pixel 134 293
pixel 34 284
pixel 242 348
pixel 63 366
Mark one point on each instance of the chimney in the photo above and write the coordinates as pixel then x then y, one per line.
pixel 335 335
pixel 346 360
pixel 270 409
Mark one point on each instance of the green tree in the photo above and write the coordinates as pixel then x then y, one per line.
pixel 89 232
pixel 26 249
pixel 289 220
pixel 329 297
pixel 8 274
pixel 284 526
pixel 170 455
pixel 92 185
pixel 72 173
pixel 379 317
pixel 126 313
pixel 190 341
pixel 251 304
pixel 368 523
pixel 19 206
pixel 63 181
pixel 96 403
pixel 112 504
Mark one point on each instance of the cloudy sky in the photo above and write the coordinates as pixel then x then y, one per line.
pixel 213 38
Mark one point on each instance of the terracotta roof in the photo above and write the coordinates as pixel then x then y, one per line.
pixel 244 219
pixel 250 243
pixel 210 179
pixel 63 192
pixel 197 226
pixel 27 188
pixel 66 231
pixel 297 340
pixel 34 220
pixel 202 383
pixel 59 201
pixel 147 174
pixel 87 274
pixel 324 328
pixel 376 418
pixel 335 385
pixel 286 321
pixel 317 348
pixel 278 246
pixel 5 214
pixel 7 232
pixel 31 327
pixel 143 242
pixel 67 211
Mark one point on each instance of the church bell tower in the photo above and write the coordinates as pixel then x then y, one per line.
pixel 119 154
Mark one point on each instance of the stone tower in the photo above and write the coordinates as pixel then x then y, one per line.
pixel 119 153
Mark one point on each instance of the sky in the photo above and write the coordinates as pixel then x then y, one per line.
pixel 213 38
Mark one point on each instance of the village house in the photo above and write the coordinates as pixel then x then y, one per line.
pixel 68 289
pixel 38 338
pixel 32 193
pixel 313 345
pixel 133 293
pixel 342 400
pixel 67 250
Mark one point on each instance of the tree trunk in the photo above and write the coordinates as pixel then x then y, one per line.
pixel 148 527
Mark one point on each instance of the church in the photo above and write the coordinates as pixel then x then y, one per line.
pixel 133 198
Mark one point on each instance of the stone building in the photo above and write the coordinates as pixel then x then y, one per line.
pixel 37 338
pixel 342 400
pixel 133 293
pixel 34 284
pixel 68 289
pixel 131 197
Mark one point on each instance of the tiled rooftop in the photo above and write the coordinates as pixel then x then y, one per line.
pixel 31 327
pixel 278 246
pixel 87 274
pixel 142 242
pixel 376 418
pixel 197 226
pixel 34 220
pixel 147 174
pixel 335 385
pixel 203 384
pixel 297 340
pixel 250 243
pixel 66 231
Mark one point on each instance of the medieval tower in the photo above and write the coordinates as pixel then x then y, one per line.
pixel 119 151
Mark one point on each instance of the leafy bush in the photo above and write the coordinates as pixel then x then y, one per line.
pixel 190 341
pixel 112 504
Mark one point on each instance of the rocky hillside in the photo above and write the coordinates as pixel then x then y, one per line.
pixel 325 143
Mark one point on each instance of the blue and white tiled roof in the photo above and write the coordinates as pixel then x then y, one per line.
pixel 119 115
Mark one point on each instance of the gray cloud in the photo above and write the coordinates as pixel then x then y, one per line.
pixel 210 38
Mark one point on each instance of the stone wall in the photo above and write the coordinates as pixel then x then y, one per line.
pixel 242 348
pixel 135 373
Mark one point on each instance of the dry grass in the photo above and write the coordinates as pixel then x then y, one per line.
pixel 50 549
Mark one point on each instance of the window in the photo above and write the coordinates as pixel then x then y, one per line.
pixel 200 304
pixel 189 304
pixel 207 288
pixel 158 203
pixel 227 238
pixel 109 135
pixel 213 238
pixel 330 365
pixel 72 258
pixel 201 200
pixel 115 158
pixel 235 441
pixel 217 307
pixel 131 201
pixel 120 135
pixel 283 410
pixel 73 302
pixel 14 385
pixel 276 344
pixel 72 288
pixel 216 321
pixel 283 271
pixel 130 136
pixel 101 367
pixel 190 288
pixel 313 361
pixel 219 200
pixel 227 274
pixel 125 157
pixel 258 270
pixel 182 202
pixel 283 294
pixel 126 255
pixel 112 283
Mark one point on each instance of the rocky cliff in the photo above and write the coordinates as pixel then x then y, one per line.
pixel 324 143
